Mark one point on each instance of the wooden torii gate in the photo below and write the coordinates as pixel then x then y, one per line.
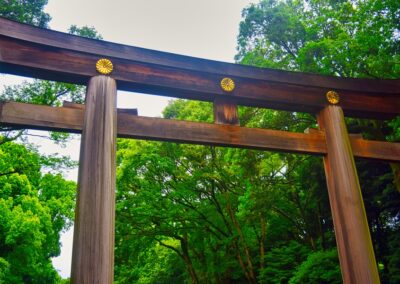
pixel 46 54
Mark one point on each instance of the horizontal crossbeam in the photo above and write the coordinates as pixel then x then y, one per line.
pixel 71 119
pixel 46 54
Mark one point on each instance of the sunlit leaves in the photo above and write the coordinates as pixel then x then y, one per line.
pixel 34 209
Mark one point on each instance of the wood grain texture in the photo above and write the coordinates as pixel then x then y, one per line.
pixel 93 249
pixel 379 149
pixel 219 135
pixel 46 54
pixel 52 38
pixel 132 111
pixel 225 111
pixel 356 253
pixel 71 119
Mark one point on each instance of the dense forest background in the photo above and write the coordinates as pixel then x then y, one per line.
pixel 197 214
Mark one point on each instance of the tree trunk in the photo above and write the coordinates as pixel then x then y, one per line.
pixel 249 261
pixel 188 261
pixel 262 240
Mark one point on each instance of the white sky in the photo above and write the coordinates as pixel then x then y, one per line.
pixel 199 28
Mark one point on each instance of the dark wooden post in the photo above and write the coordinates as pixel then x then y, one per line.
pixel 356 253
pixel 225 108
pixel 93 249
pixel 225 112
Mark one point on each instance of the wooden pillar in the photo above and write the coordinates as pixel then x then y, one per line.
pixel 93 248
pixel 356 253
pixel 225 111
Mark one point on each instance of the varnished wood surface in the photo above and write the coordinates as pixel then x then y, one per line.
pixel 71 119
pixel 40 53
pixel 93 247
pixel 132 111
pixel 218 135
pixel 364 149
pixel 225 111
pixel 356 253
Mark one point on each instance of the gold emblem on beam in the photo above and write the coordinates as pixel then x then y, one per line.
pixel 104 66
pixel 227 84
pixel 332 97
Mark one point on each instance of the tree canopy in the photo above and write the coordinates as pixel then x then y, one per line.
pixel 29 12
pixel 353 38
pixel 36 206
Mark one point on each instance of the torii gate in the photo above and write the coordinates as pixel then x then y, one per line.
pixel 46 54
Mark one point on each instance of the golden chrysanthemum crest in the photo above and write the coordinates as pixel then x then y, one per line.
pixel 227 84
pixel 332 97
pixel 104 66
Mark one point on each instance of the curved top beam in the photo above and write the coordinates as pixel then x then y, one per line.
pixel 31 51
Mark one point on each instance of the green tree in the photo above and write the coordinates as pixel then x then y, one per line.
pixel 281 262
pixel 36 203
pixel 225 208
pixel 35 208
pixel 342 38
pixel 310 270
pixel 29 12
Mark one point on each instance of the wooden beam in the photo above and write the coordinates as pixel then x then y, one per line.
pixel 356 253
pixel 46 54
pixel 378 149
pixel 132 111
pixel 71 120
pixel 130 126
pixel 219 135
pixel 93 246
pixel 362 148
pixel 48 37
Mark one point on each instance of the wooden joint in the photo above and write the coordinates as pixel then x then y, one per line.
pixel 73 105
pixel 311 130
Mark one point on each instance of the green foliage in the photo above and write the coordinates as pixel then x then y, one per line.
pixel 43 93
pixel 341 38
pixel 395 125
pixel 36 203
pixel 393 259
pixel 85 31
pixel 225 208
pixel 281 263
pixel 310 270
pixel 34 209
pixel 189 110
pixel 29 12
pixel 158 264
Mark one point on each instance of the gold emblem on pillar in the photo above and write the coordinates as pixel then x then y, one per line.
pixel 227 84
pixel 104 66
pixel 332 97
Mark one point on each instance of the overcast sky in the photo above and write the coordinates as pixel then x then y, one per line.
pixel 199 28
